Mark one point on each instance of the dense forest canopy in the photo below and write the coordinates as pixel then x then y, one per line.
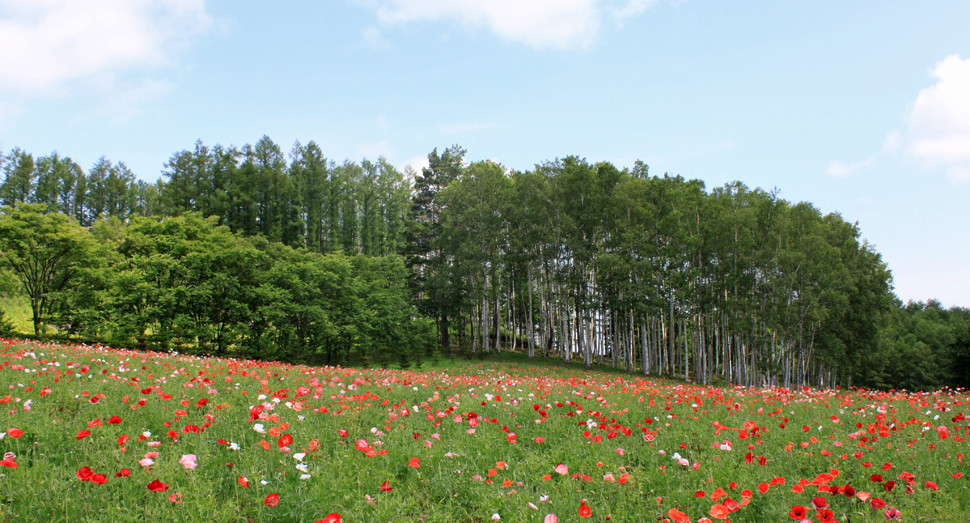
pixel 259 253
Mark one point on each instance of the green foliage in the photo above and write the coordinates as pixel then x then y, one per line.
pixel 46 252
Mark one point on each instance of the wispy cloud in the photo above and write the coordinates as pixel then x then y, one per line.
pixel 938 122
pixel 561 24
pixel 46 44
pixel 840 169
pixel 374 39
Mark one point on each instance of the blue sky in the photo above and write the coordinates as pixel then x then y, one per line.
pixel 858 107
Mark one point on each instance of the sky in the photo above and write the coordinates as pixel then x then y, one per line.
pixel 861 108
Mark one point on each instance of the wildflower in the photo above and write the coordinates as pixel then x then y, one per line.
pixel 562 469
pixel 188 461
pixel 584 510
pixel 271 500
pixel 157 486
pixel 797 513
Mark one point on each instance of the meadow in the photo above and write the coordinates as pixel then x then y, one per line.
pixel 98 434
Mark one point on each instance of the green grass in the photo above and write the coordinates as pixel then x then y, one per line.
pixel 460 478
pixel 16 309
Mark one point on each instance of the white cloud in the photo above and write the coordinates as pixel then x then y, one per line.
pixel 840 169
pixel 938 123
pixel 46 43
pixel 559 24
pixel 128 102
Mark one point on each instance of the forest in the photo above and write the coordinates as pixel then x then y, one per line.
pixel 253 252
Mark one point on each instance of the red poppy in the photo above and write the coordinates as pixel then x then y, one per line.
pixel 731 505
pixel 85 473
pixel 332 517
pixel 83 434
pixel 100 479
pixel 8 463
pixel 825 515
pixel 123 473
pixel 763 487
pixel 284 440
pixel 584 511
pixel 16 433
pixel 719 511
pixel 797 512
pixel 114 420
pixel 699 494
pixel 877 503
pixel 386 487
pixel 342 433
pixel 414 462
pixel 678 516
pixel 157 486
pixel 271 500
pixel 243 481
pixel 887 466
pixel 876 477
pixel 932 486
pixel 889 485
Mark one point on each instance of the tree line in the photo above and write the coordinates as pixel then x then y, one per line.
pixel 253 252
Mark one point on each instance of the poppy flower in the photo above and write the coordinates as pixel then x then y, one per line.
pixel 584 510
pixel 243 481
pixel 85 473
pixel 550 518
pixel 719 511
pixel 877 503
pixel 100 479
pixel 414 462
pixel 83 434
pixel 797 513
pixel 271 500
pixel 386 487
pixel 123 473
pixel 677 516
pixel 932 486
pixel 332 517
pixel 562 469
pixel 157 486
pixel 9 463
pixel 188 461
pixel 284 440
pixel 114 420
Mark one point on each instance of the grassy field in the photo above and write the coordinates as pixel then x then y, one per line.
pixel 94 434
